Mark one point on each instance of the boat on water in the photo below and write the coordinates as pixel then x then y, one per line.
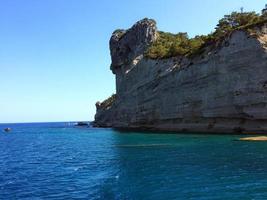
pixel 7 130
pixel 82 124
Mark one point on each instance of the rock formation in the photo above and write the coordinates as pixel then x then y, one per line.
pixel 223 89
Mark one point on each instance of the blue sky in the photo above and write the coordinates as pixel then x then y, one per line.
pixel 54 54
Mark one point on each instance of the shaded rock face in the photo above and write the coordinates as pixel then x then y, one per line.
pixel 223 90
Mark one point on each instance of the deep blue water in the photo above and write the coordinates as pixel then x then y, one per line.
pixel 54 161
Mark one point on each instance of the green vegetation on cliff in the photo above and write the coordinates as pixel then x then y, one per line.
pixel 170 45
pixel 119 32
pixel 106 103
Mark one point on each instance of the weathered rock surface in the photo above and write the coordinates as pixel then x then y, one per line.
pixel 223 90
pixel 128 45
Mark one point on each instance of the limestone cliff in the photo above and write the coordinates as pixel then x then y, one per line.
pixel 224 89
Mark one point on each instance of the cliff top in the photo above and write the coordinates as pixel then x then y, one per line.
pixel 143 39
pixel 128 44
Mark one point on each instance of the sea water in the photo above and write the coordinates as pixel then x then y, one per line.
pixel 57 161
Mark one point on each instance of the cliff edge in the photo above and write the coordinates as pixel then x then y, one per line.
pixel 221 89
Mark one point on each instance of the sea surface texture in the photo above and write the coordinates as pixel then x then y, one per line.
pixel 57 161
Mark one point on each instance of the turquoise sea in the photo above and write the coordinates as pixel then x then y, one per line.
pixel 55 161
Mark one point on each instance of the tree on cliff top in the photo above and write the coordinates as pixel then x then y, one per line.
pixel 170 45
pixel 236 20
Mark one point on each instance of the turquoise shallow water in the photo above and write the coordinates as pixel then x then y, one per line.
pixel 51 161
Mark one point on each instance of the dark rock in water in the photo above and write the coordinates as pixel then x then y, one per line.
pixel 7 129
pixel 82 124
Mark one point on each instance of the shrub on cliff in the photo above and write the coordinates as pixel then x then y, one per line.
pixel 169 45
pixel 119 32
pixel 236 21
pixel 106 103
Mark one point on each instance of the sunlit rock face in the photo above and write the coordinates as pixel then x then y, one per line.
pixel 221 90
pixel 127 45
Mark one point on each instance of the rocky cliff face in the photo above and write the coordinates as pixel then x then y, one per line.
pixel 221 90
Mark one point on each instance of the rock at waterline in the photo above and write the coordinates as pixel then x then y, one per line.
pixel 258 138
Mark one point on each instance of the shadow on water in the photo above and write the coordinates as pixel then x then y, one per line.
pixel 152 131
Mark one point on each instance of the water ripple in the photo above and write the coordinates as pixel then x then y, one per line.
pixel 47 161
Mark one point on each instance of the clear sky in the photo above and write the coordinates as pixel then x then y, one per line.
pixel 54 54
